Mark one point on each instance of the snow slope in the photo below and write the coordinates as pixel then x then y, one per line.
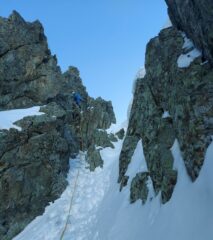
pixel 189 214
pixel 7 118
pixel 101 212
pixel 91 189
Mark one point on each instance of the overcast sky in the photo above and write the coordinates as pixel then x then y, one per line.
pixel 105 39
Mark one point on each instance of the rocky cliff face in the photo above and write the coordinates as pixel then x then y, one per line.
pixel 173 101
pixel 34 161
pixel 195 19
pixel 28 72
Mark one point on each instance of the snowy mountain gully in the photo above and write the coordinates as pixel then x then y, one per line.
pixel 68 171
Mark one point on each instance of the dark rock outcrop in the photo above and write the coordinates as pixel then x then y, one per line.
pixel 187 94
pixel 29 74
pixel 139 189
pixel 93 158
pixel 120 134
pixel 34 161
pixel 33 166
pixel 195 18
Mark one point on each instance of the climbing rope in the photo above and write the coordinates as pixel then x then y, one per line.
pixel 70 207
pixel 75 186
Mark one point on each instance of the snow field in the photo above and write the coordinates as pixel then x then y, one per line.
pixel 101 212
pixel 7 118
pixel 91 188
pixel 188 215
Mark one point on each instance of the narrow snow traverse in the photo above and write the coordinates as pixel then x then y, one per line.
pixel 101 212
pixel 90 191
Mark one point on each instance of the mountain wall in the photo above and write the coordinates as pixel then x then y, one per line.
pixel 195 19
pixel 173 101
pixel 34 161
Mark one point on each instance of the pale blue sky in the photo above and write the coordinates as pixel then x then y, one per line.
pixel 105 39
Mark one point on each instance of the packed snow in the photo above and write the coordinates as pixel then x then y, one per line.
pixel 138 163
pixel 101 212
pixel 91 189
pixel 186 59
pixel 188 215
pixel 7 118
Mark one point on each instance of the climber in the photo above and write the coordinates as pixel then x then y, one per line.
pixel 78 99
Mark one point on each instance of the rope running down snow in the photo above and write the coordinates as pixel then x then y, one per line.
pixel 74 190
pixel 70 207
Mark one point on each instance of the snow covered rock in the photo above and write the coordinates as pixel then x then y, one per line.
pixel 33 167
pixel 195 18
pixel 189 55
pixel 186 93
pixel 34 159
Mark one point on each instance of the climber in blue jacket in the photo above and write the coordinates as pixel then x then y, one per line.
pixel 78 99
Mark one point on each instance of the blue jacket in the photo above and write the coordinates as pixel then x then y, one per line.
pixel 78 98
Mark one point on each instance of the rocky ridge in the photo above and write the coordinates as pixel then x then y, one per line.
pixel 172 101
pixel 34 161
